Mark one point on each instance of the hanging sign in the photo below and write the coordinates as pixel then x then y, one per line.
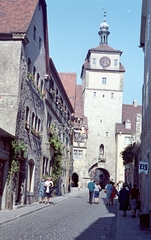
pixel 143 167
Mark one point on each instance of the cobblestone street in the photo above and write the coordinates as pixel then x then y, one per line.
pixel 73 218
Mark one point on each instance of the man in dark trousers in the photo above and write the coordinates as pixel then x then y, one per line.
pixel 91 187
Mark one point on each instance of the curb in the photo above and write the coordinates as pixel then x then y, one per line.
pixel 61 198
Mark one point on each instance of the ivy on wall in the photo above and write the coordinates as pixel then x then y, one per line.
pixel 19 151
pixel 56 161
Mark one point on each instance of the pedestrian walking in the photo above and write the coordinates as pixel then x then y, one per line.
pixel 123 199
pixel 113 193
pixel 134 198
pixel 108 190
pixel 120 185
pixel 41 191
pixel 49 185
pixel 97 190
pixel 69 186
pixel 91 187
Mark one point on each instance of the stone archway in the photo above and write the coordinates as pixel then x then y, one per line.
pixel 75 180
pixel 99 174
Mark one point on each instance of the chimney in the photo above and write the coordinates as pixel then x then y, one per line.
pixel 135 103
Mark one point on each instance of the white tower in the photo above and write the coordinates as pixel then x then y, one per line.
pixel 102 80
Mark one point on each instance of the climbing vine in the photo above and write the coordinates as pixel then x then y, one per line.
pixel 19 151
pixel 56 161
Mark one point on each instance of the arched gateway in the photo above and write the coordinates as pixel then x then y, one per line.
pixel 99 174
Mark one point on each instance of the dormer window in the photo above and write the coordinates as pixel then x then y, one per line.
pixel 128 124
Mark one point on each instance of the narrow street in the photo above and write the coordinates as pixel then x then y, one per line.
pixel 73 218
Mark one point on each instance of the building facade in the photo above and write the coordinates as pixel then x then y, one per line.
pixel 128 132
pixel 79 173
pixel 145 44
pixel 32 97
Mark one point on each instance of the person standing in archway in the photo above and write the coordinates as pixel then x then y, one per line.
pixel 91 187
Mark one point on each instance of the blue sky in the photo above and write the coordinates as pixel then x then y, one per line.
pixel 73 29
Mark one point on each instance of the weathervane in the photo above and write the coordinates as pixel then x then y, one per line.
pixel 104 14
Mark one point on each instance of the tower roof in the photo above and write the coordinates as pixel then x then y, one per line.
pixel 104 33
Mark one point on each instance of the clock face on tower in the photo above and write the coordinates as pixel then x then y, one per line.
pixel 105 62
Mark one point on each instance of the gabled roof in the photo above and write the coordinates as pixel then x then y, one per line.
pixel 16 15
pixel 129 112
pixel 69 83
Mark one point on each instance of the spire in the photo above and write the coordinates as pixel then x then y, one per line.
pixel 104 33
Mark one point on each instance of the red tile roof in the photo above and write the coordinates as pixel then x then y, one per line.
pixel 129 112
pixel 79 111
pixel 16 15
pixel 69 83
pixel 74 93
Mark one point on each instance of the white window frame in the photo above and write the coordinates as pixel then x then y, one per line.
pixel 78 154
pixel 128 124
pixel 127 140
pixel 104 80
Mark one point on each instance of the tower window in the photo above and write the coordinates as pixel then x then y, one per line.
pixel 107 134
pixel 104 80
pixel 112 95
pixel 94 60
pixel 94 94
pixel 115 62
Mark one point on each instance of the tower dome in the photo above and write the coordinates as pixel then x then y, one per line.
pixel 104 33
pixel 104 26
